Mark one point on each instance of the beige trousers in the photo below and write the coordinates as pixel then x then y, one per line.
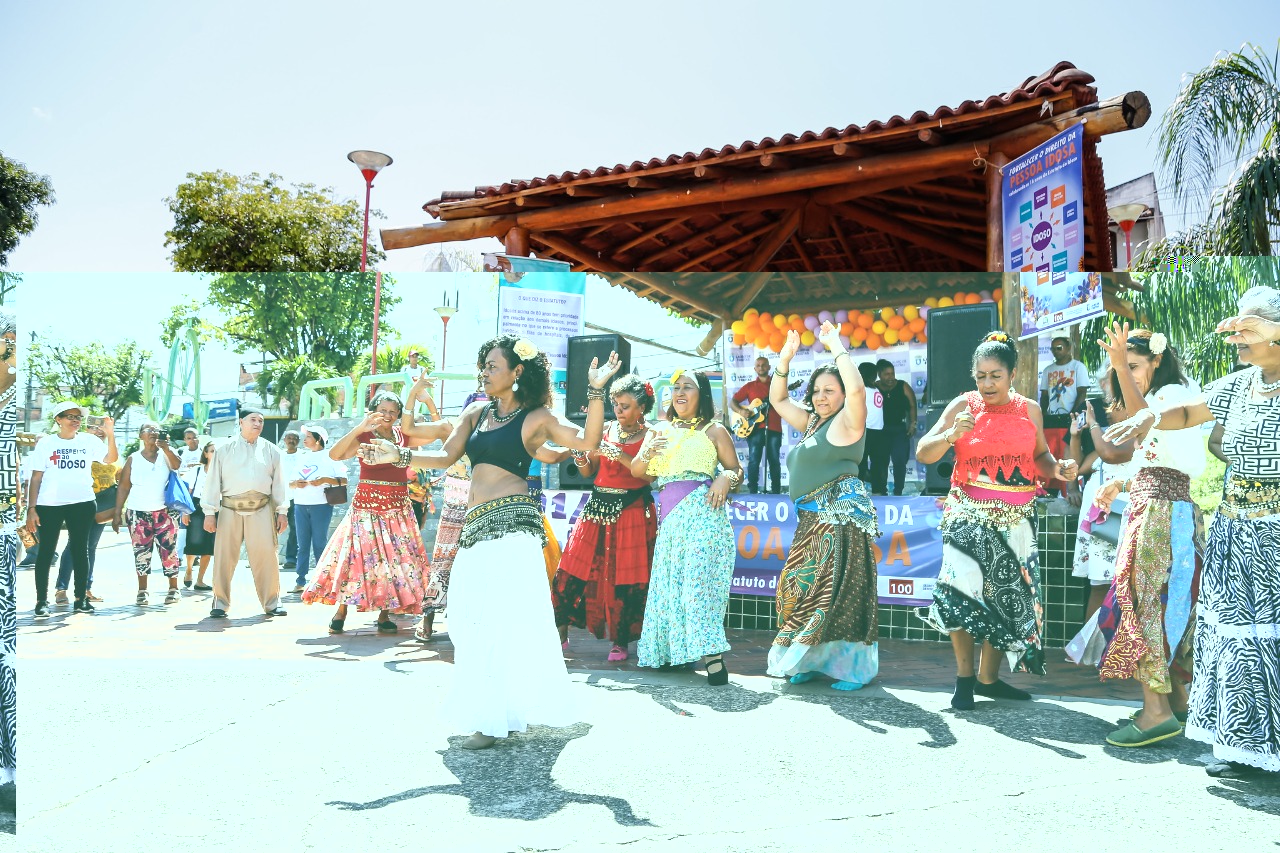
pixel 257 532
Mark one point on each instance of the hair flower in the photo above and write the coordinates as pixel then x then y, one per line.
pixel 1158 343
pixel 648 388
pixel 999 337
pixel 525 350
pixel 675 377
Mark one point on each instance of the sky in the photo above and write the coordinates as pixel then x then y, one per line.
pixel 116 103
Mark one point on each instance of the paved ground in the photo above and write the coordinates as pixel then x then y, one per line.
pixel 160 729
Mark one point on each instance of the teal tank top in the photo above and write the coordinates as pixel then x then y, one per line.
pixel 815 462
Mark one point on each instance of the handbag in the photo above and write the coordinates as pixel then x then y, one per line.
pixel 335 495
pixel 177 495
pixel 1106 526
pixel 199 539
pixel 1086 647
pixel 105 500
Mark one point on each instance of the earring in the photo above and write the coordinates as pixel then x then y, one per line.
pixel 515 386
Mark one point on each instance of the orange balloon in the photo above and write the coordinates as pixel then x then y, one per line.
pixel 997 294
pixel 917 325
pixel 865 320
pixel 858 335
pixel 922 338
pixel 739 339
pixel 959 298
pixel 777 339
pixel 973 299
pixel 873 341
pixel 798 324
pixel 765 320
pixel 846 329
pixel 905 335
pixel 896 322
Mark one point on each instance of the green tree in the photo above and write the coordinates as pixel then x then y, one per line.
pixel 284 378
pixel 1228 113
pixel 21 192
pixel 228 223
pixel 91 371
pixel 182 314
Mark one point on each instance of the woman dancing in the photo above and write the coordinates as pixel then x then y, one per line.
pixel 508 669
pixel 827 590
pixel 375 559
pixel 989 585
pixel 1235 694
pixel 1148 618
pixel 695 549
pixel 603 577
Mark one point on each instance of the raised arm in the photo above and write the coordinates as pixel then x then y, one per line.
pixel 795 416
pixel 345 448
pixel 420 434
pixel 551 427
pixel 1116 347
pixel 851 421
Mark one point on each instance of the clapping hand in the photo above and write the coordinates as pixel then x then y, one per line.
pixel 379 452
pixel 1249 329
pixel 789 348
pixel 963 423
pixel 598 376
pixel 830 336
pixel 1116 344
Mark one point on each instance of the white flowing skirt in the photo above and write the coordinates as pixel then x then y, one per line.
pixel 508 666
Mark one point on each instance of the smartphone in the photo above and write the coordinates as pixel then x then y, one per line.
pixel 93 420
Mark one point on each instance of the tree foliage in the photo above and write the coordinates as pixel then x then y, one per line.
pixel 189 312
pixel 284 378
pixel 1227 113
pixel 91 371
pixel 230 223
pixel 21 192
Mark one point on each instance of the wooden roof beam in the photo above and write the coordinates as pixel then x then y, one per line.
pixel 663 284
pixel 944 245
pixel 721 248
pixel 805 260
pixel 855 264
pixel 645 236
pixel 446 232
pixel 769 247
pixel 692 240
pixel 1114 115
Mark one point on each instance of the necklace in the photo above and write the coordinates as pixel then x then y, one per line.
pixel 626 437
pixel 1264 387
pixel 6 396
pixel 690 422
pixel 501 419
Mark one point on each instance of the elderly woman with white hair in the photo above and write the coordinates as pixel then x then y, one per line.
pixel 1235 692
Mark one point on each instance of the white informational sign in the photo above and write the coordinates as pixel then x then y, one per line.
pixel 547 309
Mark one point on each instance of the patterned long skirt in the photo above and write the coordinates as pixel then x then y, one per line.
pixel 603 578
pixel 688 585
pixel 446 547
pixel 1148 617
pixel 375 561
pixel 8 645
pixel 827 615
pixel 989 585
pixel 1235 695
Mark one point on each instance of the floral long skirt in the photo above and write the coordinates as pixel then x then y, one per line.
pixel 1235 695
pixel 1148 617
pixel 826 602
pixel 375 561
pixel 442 554
pixel 689 584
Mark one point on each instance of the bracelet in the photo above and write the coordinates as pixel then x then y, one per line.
pixel 734 477
pixel 780 374
pixel 947 440
pixel 580 458
pixel 844 353
pixel 594 393
pixel 406 455
pixel 610 451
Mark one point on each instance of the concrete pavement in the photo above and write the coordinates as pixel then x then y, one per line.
pixel 160 729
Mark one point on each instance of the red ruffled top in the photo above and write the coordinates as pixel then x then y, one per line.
pixel 1003 439
pixel 615 475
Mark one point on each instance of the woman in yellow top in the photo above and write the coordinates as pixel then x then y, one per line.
pixel 694 553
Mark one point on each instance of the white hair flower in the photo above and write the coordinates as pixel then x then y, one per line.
pixel 1158 343
pixel 525 350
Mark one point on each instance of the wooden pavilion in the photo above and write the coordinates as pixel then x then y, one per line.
pixel 909 195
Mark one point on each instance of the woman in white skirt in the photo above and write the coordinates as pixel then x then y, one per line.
pixel 509 671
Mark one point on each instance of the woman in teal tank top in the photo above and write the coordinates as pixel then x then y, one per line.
pixel 826 600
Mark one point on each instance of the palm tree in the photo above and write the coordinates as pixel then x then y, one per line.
pixel 1228 113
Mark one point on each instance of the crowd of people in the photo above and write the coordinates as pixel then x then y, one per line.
pixel 1193 618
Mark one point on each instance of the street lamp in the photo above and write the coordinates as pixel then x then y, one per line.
pixel 1125 215
pixel 370 163
pixel 446 312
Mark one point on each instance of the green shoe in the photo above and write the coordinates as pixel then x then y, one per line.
pixel 1131 735
pixel 1180 717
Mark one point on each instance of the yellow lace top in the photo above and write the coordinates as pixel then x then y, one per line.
pixel 688 451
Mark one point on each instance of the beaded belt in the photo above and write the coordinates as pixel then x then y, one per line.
pixel 606 504
pixel 961 506
pixel 1250 497
pixel 381 495
pixel 496 518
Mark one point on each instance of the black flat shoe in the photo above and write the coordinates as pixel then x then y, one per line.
pixel 42 608
pixel 203 587
pixel 218 613
pixel 717 672
pixel 187 583
pixel 279 611
pixel 386 626
pixel 335 626
pixel 83 606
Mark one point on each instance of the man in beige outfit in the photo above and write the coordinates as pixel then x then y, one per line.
pixel 246 501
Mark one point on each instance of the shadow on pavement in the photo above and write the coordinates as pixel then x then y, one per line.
pixel 728 699
pixel 1259 792
pixel 869 706
pixel 512 779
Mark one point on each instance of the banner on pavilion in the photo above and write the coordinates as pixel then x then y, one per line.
pixel 908 553
pixel 547 309
pixel 1043 209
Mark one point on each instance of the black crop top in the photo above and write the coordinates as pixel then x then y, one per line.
pixel 495 447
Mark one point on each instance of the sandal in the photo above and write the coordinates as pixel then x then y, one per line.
pixel 617 653
pixel 90 596
pixel 142 597
pixel 386 626
pixel 335 626
pixel 424 636
pixel 172 596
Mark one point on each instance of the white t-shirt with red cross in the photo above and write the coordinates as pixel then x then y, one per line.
pixel 66 464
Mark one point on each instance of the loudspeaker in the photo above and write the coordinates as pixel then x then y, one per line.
pixel 582 349
pixel 571 475
pixel 937 477
pixel 954 333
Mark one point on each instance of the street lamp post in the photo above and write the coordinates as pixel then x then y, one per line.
pixel 1125 215
pixel 446 312
pixel 370 163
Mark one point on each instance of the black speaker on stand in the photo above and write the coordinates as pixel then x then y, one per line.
pixel 954 333
pixel 937 477
pixel 571 476
pixel 583 348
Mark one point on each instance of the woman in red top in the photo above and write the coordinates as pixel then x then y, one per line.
pixel 989 586
pixel 376 559
pixel 603 578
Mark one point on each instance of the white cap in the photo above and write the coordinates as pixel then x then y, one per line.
pixel 64 407
pixel 318 430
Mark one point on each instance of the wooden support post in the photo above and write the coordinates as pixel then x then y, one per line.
pixel 516 242
pixel 713 337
